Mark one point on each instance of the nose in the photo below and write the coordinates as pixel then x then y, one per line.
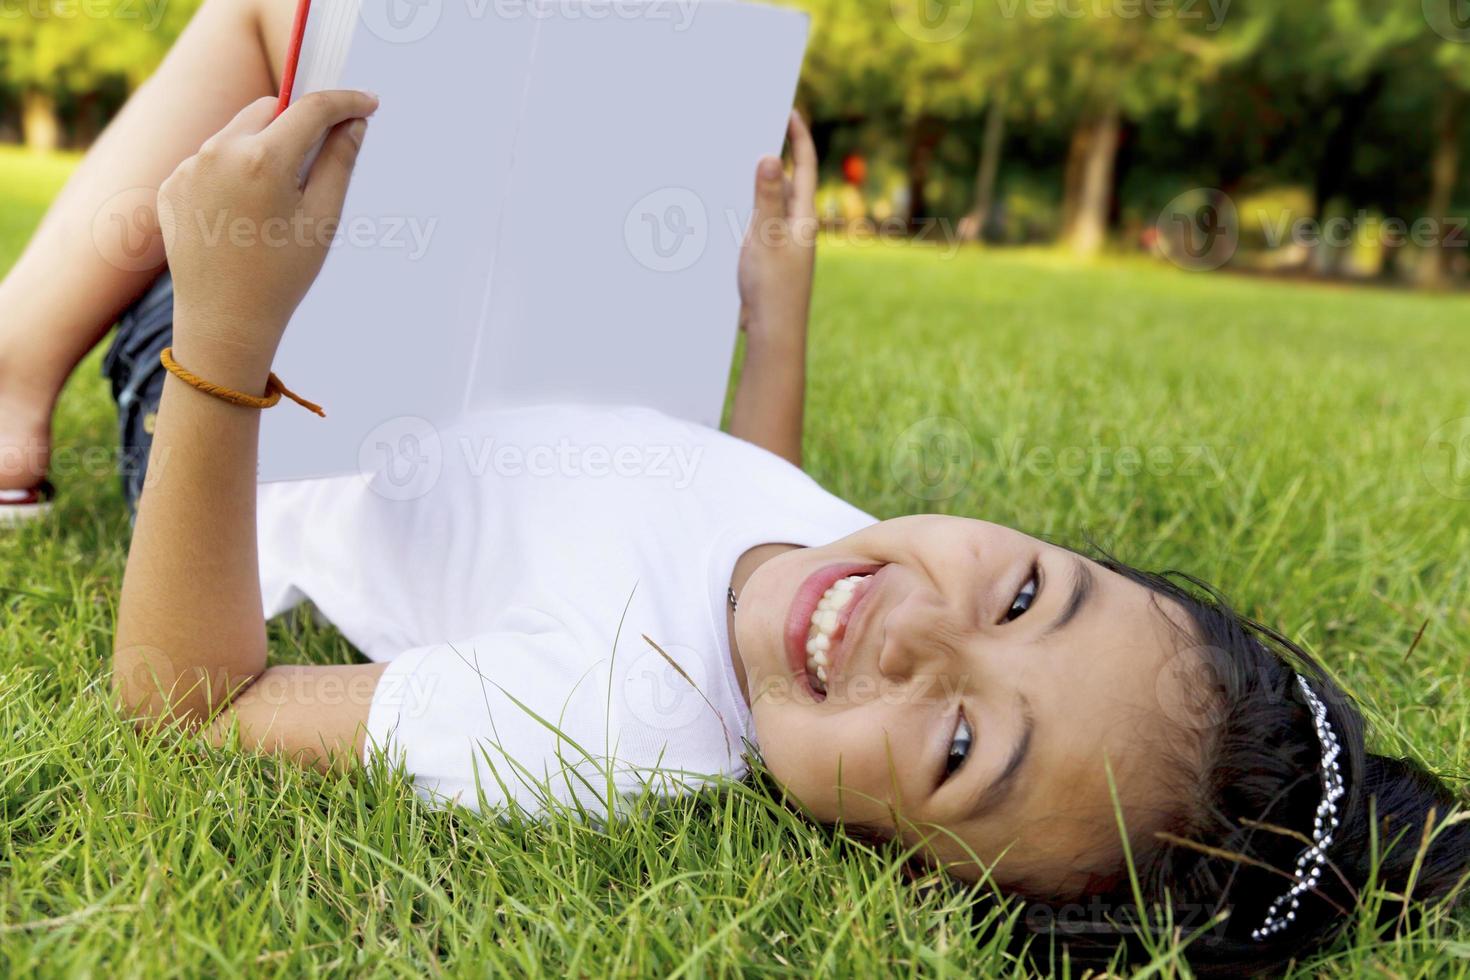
pixel 921 639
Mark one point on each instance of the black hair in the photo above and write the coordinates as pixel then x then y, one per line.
pixel 1230 849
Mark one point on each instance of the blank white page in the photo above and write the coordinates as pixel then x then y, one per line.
pixel 548 207
pixel 615 278
pixel 388 329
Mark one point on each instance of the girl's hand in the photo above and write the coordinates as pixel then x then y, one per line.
pixel 246 236
pixel 779 254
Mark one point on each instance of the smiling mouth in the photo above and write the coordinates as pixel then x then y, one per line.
pixel 828 627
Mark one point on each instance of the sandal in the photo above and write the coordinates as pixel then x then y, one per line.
pixel 22 506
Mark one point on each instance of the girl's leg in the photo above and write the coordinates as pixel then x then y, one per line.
pixel 98 247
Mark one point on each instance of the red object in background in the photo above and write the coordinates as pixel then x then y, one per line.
pixel 855 169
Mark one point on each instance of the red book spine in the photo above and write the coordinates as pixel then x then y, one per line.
pixel 293 55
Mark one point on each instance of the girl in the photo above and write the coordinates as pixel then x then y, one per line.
pixel 576 604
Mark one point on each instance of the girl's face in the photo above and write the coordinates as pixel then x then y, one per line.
pixel 979 684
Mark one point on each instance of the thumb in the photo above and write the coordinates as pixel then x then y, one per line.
pixel 326 186
pixel 770 192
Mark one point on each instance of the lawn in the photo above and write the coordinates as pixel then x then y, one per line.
pixel 1286 442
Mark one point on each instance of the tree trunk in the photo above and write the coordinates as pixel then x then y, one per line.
pixel 1094 200
pixel 972 228
pixel 1326 255
pixel 38 121
pixel 1072 177
pixel 89 119
pixel 1444 178
pixel 1333 167
pixel 926 135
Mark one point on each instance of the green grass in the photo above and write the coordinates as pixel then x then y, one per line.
pixel 1285 434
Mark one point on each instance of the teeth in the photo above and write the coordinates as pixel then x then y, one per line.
pixel 824 624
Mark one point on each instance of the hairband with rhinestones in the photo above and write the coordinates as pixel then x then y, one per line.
pixel 1309 863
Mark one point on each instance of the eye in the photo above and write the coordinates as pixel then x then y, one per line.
pixel 1023 599
pixel 959 747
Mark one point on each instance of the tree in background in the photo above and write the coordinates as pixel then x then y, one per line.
pixel 1359 105
pixel 948 66
pixel 1342 54
pixel 59 52
pixel 875 61
pixel 1110 69
pixel 1255 88
pixel 921 67
pixel 1365 105
pixel 850 68
pixel 1450 61
pixel 994 50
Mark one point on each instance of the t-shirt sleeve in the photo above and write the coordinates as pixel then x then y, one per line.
pixel 500 719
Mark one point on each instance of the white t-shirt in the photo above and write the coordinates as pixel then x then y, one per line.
pixel 510 572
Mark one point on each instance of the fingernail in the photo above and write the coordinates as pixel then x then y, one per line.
pixel 770 168
pixel 356 130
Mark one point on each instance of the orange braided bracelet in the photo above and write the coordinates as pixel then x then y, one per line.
pixel 273 388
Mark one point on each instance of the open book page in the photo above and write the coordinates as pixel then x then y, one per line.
pixel 548 207
pixel 389 327
pixel 615 278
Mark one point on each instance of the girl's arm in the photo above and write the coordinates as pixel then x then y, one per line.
pixel 190 647
pixel 776 288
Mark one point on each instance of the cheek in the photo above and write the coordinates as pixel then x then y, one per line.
pixel 836 766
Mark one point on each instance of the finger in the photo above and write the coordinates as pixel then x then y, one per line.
pixel 251 119
pixel 326 186
pixel 770 191
pixel 301 126
pixel 804 167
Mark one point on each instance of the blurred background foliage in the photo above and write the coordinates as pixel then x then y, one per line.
pixel 1078 122
pixel 67 65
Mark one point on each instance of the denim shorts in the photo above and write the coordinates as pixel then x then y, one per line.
pixel 132 366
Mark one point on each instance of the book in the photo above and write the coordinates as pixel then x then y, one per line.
pixel 548 207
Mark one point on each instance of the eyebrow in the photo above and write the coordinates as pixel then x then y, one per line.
pixel 1083 583
pixel 996 793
